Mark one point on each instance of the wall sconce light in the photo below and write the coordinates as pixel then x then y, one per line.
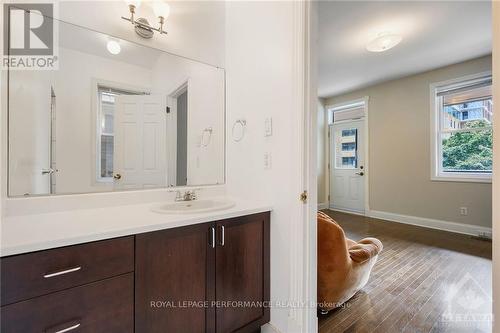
pixel 141 25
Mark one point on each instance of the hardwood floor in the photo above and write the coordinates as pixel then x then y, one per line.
pixel 411 288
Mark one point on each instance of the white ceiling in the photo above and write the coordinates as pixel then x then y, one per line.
pixel 435 34
pixel 91 42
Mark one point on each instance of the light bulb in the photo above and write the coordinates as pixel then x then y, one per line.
pixel 161 8
pixel 135 3
pixel 113 47
pixel 384 42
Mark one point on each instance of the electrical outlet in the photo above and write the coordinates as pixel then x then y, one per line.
pixel 464 211
pixel 485 235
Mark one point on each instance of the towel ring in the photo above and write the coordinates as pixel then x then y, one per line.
pixel 205 142
pixel 241 125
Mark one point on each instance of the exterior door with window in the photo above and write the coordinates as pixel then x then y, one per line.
pixel 347 186
pixel 140 142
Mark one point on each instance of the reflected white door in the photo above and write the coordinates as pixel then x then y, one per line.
pixel 347 186
pixel 139 159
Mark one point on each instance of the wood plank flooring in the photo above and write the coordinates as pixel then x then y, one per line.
pixel 412 285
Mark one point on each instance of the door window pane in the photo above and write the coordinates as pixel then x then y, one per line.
pixel 346 149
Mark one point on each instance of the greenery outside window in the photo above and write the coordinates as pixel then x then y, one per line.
pixel 462 140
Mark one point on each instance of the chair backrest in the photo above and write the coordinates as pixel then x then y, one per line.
pixel 333 254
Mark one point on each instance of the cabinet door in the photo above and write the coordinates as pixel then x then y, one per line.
pixel 242 273
pixel 172 280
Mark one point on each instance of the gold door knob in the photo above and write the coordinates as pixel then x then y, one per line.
pixel 117 176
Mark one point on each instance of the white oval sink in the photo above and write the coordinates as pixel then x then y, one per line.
pixel 195 206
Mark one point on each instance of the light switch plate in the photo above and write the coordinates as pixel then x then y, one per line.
pixel 268 127
pixel 267 161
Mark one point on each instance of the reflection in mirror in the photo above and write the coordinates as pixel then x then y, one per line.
pixel 114 116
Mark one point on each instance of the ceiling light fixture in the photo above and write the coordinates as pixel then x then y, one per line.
pixel 113 47
pixel 384 41
pixel 141 25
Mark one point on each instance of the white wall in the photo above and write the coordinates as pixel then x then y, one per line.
pixel 260 43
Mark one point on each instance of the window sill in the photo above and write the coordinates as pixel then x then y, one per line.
pixel 462 179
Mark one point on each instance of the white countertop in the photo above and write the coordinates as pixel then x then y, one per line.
pixel 27 233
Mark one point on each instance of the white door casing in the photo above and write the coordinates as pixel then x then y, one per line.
pixel 140 142
pixel 347 166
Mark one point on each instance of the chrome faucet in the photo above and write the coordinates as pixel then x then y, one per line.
pixel 187 196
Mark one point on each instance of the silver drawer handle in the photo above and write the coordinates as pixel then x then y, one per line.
pixel 71 270
pixel 68 328
pixel 212 234
pixel 223 241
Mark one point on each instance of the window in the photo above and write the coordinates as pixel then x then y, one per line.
pixel 346 152
pixel 105 131
pixel 462 148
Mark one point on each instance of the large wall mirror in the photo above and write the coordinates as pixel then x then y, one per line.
pixel 115 116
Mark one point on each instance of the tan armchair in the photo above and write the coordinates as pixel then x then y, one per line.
pixel 344 265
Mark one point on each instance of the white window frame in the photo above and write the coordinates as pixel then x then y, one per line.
pixel 436 129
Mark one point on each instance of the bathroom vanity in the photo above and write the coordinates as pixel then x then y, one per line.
pixel 204 277
pixel 141 123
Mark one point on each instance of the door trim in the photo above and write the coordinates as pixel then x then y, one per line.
pixel 365 101
pixel 176 90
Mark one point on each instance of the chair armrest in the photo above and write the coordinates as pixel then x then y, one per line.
pixel 365 249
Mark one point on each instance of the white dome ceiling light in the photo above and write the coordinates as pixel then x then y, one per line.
pixel 113 47
pixel 384 41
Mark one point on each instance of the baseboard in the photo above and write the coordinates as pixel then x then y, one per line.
pixel 336 209
pixel 323 205
pixel 456 227
pixel 268 328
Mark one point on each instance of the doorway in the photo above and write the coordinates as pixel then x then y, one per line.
pixel 347 158
pixel 347 132
pixel 182 108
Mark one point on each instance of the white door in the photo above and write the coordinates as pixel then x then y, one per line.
pixel 347 186
pixel 139 158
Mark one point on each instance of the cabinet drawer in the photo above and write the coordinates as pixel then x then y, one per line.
pixel 34 274
pixel 103 306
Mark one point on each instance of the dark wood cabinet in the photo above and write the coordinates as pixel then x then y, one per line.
pixel 34 274
pixel 105 306
pixel 242 273
pixel 171 278
pixel 211 277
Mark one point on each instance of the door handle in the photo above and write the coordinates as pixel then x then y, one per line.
pixel 223 236
pixel 117 176
pixel 48 171
pixel 212 237
pixel 361 173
